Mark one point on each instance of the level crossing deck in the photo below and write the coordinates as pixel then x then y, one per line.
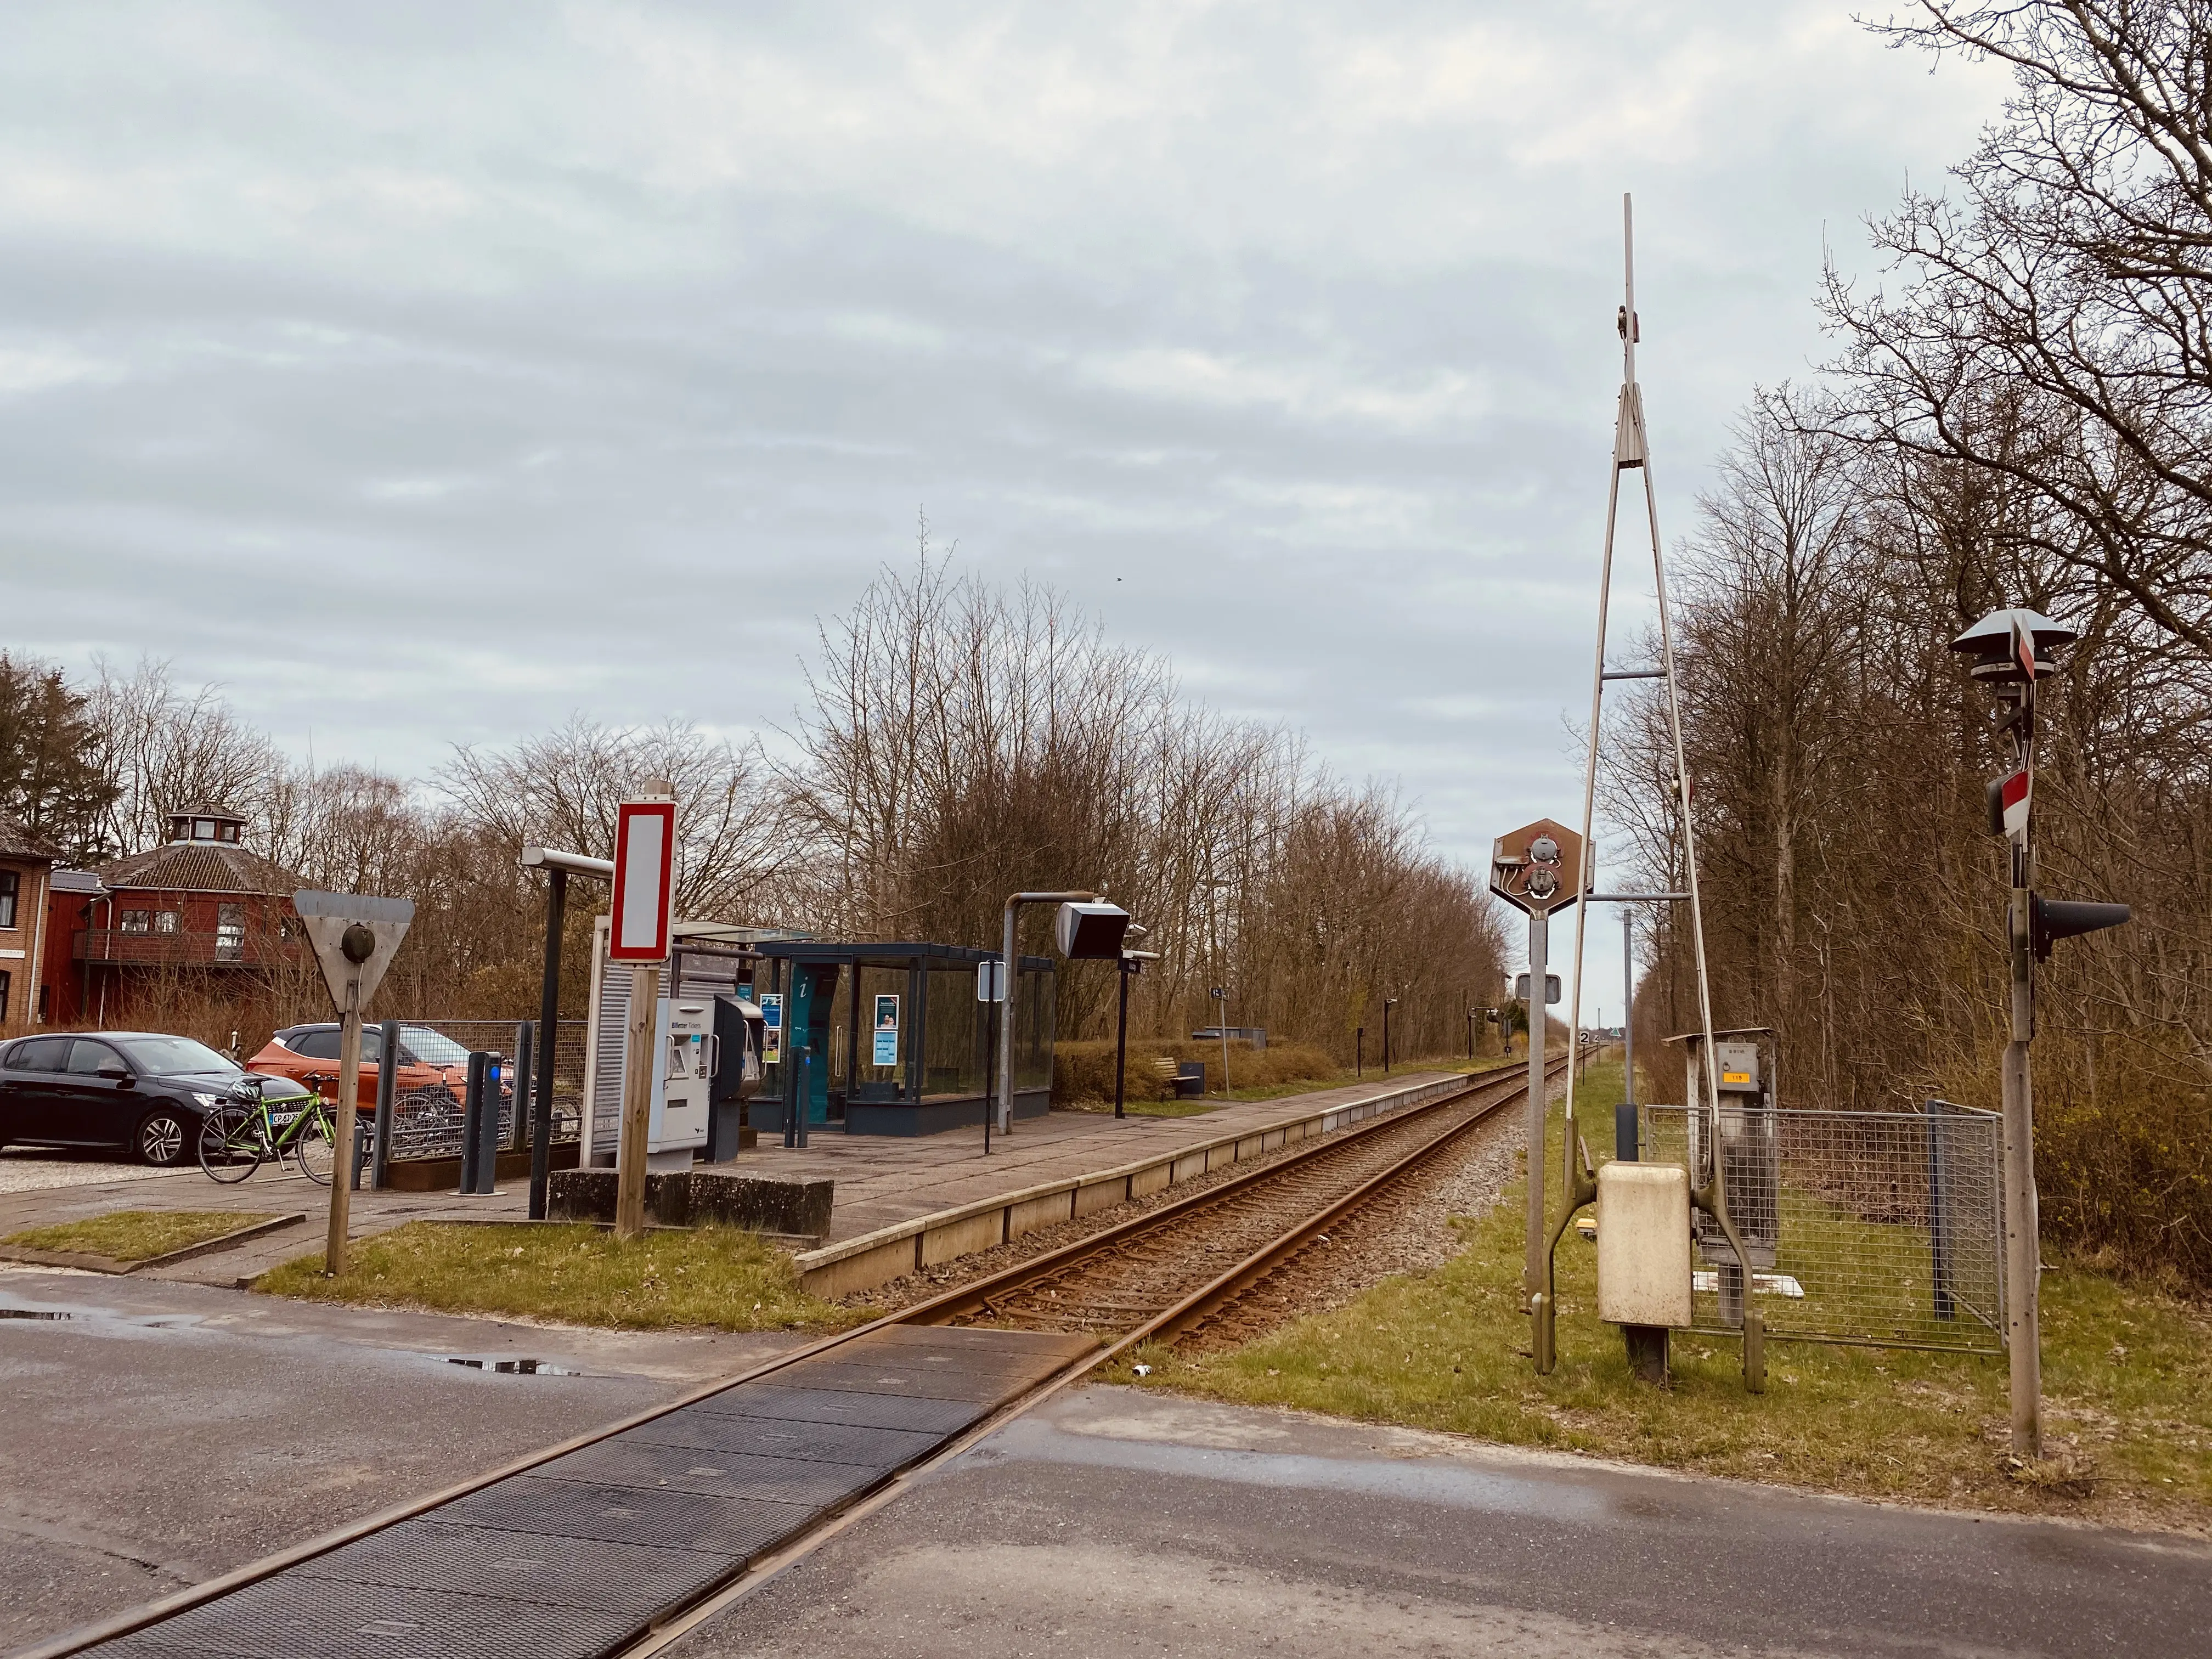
pixel 584 1552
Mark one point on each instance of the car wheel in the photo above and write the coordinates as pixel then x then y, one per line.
pixel 161 1138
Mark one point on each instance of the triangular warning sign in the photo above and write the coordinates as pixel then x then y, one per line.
pixel 355 937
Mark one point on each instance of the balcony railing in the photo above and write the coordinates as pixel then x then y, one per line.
pixel 183 950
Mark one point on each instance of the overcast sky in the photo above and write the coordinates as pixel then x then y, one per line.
pixel 424 373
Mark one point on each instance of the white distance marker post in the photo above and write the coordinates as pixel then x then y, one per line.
pixel 645 865
pixel 354 938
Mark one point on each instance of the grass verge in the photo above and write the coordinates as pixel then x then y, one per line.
pixel 135 1235
pixel 2127 1379
pixel 710 1278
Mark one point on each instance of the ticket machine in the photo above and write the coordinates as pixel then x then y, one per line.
pixel 682 1103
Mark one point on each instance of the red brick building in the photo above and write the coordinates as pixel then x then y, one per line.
pixel 200 904
pixel 26 866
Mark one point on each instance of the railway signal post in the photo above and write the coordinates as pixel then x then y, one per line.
pixel 1537 868
pixel 2011 650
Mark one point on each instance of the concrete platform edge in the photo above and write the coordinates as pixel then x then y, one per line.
pixel 876 1258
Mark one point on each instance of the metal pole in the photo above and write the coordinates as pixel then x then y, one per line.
pixel 549 1018
pixel 1539 948
pixel 1387 1001
pixel 2023 1237
pixel 1624 1116
pixel 388 1081
pixel 1359 1053
pixel 641 1041
pixel 1007 1021
pixel 518 1092
pixel 1224 1018
pixel 518 1088
pixel 990 1069
pixel 1122 1037
pixel 344 1153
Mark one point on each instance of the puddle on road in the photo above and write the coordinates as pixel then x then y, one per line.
pixel 514 1367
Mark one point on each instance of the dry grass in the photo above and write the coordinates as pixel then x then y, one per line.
pixel 2127 1375
pixel 710 1278
pixel 135 1235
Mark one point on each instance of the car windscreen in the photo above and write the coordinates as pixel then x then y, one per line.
pixel 432 1048
pixel 174 1056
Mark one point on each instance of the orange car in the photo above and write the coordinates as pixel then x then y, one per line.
pixel 431 1065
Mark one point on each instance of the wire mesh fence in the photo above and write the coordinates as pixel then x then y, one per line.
pixel 1884 1228
pixel 429 1102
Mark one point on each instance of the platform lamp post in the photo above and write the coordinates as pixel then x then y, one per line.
pixel 1389 1003
pixel 1087 929
pixel 1132 963
pixel 2012 649
pixel 558 867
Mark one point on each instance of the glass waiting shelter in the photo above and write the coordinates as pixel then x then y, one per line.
pixel 889 1040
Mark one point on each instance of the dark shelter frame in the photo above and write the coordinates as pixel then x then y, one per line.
pixel 944 1064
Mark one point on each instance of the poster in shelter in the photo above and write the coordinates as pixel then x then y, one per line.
pixel 771 1007
pixel 886 1029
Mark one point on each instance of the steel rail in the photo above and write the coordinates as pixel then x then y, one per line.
pixel 966 1300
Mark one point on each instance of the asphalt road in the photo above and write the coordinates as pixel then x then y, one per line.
pixel 161 1433
pixel 1117 1523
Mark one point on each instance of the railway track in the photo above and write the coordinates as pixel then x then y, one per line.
pixel 621 1541
pixel 1179 1267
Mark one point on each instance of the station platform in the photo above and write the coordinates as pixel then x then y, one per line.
pixel 901 1204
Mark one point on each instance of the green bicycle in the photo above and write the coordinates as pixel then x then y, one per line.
pixel 237 1140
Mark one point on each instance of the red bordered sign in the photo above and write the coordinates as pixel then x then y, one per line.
pixel 645 868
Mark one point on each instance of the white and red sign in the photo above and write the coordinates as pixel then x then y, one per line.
pixel 2017 792
pixel 645 872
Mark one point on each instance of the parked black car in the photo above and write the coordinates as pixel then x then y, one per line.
pixel 141 1090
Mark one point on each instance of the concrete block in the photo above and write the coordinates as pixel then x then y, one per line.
pixel 1189 1167
pixel 1144 1182
pixel 1101 1195
pixel 957 1238
pixel 1251 1146
pixel 1644 1245
pixel 1032 1213
pixel 725 1199
pixel 699 1198
pixel 1220 1158
pixel 864 1271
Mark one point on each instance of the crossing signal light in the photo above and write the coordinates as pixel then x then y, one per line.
pixel 2056 919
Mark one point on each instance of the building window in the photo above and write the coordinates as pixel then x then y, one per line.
pixel 10 882
pixel 137 922
pixel 164 921
pixel 203 829
pixel 7 984
pixel 229 932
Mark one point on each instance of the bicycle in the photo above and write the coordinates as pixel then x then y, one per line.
pixel 236 1140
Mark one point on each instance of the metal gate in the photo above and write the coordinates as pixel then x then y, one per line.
pixel 1887 1228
